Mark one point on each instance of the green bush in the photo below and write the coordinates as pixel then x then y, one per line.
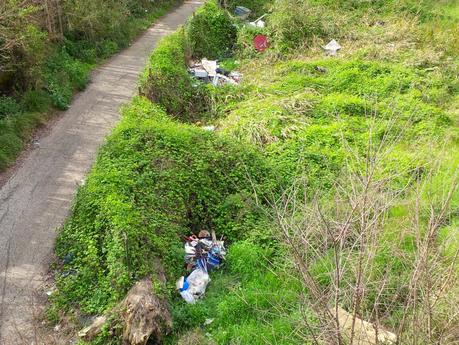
pixel 64 74
pixel 14 132
pixel 36 100
pixel 210 33
pixel 8 106
pixel 167 82
pixel 293 31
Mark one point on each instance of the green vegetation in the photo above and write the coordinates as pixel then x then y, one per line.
pixel 166 80
pixel 211 33
pixel 323 172
pixel 47 52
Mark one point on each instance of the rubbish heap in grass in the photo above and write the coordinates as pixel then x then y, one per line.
pixel 208 71
pixel 203 253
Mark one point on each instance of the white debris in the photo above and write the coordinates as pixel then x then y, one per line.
pixel 258 23
pixel 209 71
pixel 210 66
pixel 194 286
pixel 200 73
pixel 208 322
pixel 210 129
pixel 332 48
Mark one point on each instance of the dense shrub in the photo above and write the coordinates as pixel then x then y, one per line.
pixel 210 33
pixel 63 75
pixel 8 106
pixel 167 82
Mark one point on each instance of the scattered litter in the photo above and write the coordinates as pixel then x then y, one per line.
pixel 242 12
pixel 261 43
pixel 200 73
pixel 332 48
pixel 57 328
pixel 208 71
pixel 68 273
pixel 50 292
pixel 210 66
pixel 259 23
pixel 208 322
pixel 35 143
pixel 320 69
pixel 210 128
pixel 202 254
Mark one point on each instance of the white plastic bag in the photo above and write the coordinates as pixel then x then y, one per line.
pixel 197 282
pixel 188 297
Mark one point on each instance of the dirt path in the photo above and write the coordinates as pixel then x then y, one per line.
pixel 36 199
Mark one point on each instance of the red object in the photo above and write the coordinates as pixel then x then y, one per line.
pixel 260 42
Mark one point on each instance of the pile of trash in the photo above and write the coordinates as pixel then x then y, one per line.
pixel 209 71
pixel 203 253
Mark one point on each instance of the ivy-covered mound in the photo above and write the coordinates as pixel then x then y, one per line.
pixel 155 180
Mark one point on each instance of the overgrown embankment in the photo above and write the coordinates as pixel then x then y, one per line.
pixel 47 51
pixel 332 179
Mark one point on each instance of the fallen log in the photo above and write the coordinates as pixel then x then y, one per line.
pixel 143 314
pixel 146 315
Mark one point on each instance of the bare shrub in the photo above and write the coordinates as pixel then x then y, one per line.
pixel 370 248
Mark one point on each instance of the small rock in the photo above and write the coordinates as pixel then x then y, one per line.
pixel 94 329
pixel 320 69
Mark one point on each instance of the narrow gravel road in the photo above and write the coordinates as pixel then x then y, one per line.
pixel 35 201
